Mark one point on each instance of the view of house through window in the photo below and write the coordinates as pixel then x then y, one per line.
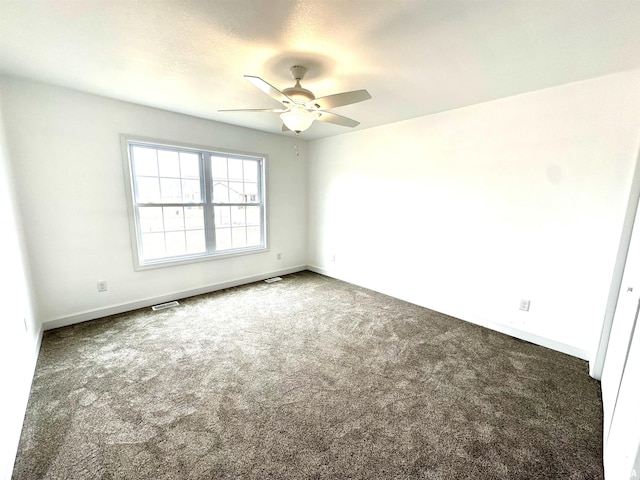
pixel 237 212
pixel 192 204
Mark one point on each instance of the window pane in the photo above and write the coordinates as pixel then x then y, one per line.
pixel 253 237
pixel 223 238
pixel 235 169
pixel 250 170
pixel 150 219
pixel 170 190
pixel 189 165
pixel 148 190
pixel 191 191
pixel 220 192
pixel 152 245
pixel 175 243
pixel 173 219
pixel 219 168
pixel 253 215
pixel 168 163
pixel 194 218
pixel 195 241
pixel 238 216
pixel 236 192
pixel 222 216
pixel 239 237
pixel 144 161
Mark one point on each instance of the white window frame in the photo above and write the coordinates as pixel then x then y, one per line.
pixel 206 188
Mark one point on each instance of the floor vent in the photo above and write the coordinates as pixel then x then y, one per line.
pixel 273 279
pixel 162 306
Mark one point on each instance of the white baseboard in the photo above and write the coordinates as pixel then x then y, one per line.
pixel 36 350
pixel 320 270
pixel 147 302
pixel 529 337
pixel 20 393
pixel 498 327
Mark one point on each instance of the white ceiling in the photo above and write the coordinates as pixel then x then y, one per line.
pixel 415 57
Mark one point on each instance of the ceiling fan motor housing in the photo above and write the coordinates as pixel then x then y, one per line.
pixel 296 92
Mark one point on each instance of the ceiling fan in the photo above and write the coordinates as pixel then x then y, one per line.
pixel 300 107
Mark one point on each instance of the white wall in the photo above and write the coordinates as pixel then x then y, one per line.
pixel 20 337
pixel 69 177
pixel 469 211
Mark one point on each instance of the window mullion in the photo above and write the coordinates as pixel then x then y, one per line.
pixel 207 189
pixel 262 202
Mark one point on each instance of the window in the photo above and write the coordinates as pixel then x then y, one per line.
pixel 189 204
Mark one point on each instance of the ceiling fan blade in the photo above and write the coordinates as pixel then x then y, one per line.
pixel 337 119
pixel 274 110
pixel 341 99
pixel 270 90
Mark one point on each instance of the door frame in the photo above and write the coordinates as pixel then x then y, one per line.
pixel 596 364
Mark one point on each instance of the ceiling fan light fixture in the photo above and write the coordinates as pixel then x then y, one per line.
pixel 298 119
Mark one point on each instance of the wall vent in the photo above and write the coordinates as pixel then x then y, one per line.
pixel 162 306
pixel 273 279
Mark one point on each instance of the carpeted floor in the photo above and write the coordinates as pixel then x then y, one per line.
pixel 307 378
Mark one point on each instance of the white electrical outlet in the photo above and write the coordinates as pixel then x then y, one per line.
pixel 279 256
pixel 102 285
pixel 524 305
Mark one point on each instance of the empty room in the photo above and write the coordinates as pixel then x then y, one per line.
pixel 320 239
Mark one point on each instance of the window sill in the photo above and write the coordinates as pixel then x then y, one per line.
pixel 189 259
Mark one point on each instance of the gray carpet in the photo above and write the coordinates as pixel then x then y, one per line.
pixel 307 378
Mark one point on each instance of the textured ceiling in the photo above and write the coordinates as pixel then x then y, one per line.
pixel 414 57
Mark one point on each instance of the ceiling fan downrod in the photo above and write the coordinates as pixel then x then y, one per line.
pixel 297 93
